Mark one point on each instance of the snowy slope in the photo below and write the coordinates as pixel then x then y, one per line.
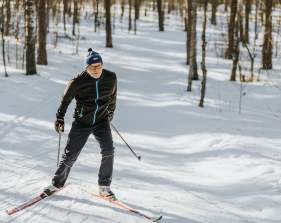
pixel 198 165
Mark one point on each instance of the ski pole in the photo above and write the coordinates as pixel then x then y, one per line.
pixel 58 158
pixel 138 157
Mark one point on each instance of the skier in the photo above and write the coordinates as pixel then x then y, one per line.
pixel 95 92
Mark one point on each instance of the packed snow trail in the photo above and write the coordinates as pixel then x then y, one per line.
pixel 198 165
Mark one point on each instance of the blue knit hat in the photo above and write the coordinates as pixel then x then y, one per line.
pixel 93 57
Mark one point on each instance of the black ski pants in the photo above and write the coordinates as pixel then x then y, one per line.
pixel 76 140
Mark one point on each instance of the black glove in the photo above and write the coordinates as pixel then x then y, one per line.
pixel 59 125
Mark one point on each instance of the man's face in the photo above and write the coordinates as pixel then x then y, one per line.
pixel 95 69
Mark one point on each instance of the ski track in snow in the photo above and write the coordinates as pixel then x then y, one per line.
pixel 208 165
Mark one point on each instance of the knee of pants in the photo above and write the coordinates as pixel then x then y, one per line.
pixel 107 151
pixel 69 160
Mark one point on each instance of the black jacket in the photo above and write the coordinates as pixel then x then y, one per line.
pixel 95 98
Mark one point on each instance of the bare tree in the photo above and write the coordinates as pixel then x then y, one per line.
pixel 203 64
pixel 42 34
pixel 136 15
pixel 226 4
pixel 193 73
pixel 65 8
pixel 108 24
pixel 154 5
pixel 48 14
pixel 235 50
pixel 171 5
pixel 160 8
pixel 3 39
pixel 17 29
pixel 130 16
pixel 252 54
pixel 137 9
pixel 277 37
pixel 241 20
pixel 8 17
pixel 247 15
pixel 122 9
pixel 267 43
pixel 188 29
pixel 75 16
pixel 229 51
pixel 96 15
pixel 30 38
pixel 214 4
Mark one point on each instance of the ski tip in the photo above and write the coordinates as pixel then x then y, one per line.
pixel 9 212
pixel 158 219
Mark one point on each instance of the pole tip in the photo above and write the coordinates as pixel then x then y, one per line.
pixel 139 157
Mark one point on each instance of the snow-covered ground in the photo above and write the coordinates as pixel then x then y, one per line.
pixel 202 165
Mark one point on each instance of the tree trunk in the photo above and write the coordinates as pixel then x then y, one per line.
pixel 48 14
pixel 267 43
pixel 241 26
pixel 8 17
pixel 247 14
pixel 42 34
pixel 17 31
pixel 122 9
pixel 65 8
pixel 29 38
pixel 75 16
pixel 170 6
pixel 160 15
pixel 96 15
pixel 153 5
pixel 226 4
pixel 255 40
pixel 229 51
pixel 193 74
pixel 137 9
pixel 108 24
pixel 193 42
pixel 203 64
pixel 185 27
pixel 136 15
pixel 130 15
pixel 214 12
pixel 188 33
pixel 235 58
pixel 3 39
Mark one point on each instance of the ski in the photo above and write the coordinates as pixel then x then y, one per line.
pixel 123 206
pixel 30 203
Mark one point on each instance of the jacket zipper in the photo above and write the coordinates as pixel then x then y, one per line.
pixel 96 101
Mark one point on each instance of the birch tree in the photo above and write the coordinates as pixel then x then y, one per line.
pixel 30 37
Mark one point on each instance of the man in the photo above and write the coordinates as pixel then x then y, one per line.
pixel 95 92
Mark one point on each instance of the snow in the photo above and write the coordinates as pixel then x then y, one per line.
pixel 208 164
